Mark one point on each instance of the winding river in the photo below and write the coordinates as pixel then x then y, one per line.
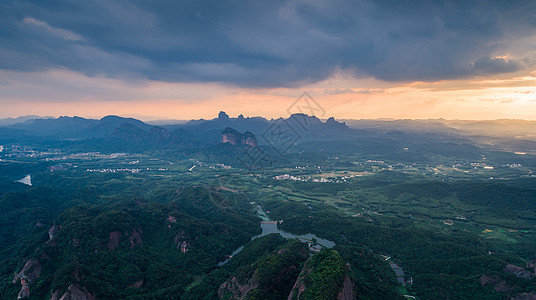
pixel 268 226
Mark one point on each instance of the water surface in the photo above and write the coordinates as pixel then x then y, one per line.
pixel 268 228
pixel 26 180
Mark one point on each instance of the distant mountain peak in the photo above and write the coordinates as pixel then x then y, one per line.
pixel 302 115
pixel 331 122
pixel 21 119
pixel 76 127
pixel 111 117
pixel 223 116
pixel 305 116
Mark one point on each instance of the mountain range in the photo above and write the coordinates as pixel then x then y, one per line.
pixel 130 130
pixel 386 137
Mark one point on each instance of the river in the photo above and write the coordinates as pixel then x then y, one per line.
pixel 268 228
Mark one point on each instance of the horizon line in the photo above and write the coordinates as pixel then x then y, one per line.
pixel 156 119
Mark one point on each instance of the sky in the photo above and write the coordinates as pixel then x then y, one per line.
pixel 358 59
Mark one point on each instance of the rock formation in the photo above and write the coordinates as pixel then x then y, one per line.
pixel 233 137
pixel 29 274
pixel 74 292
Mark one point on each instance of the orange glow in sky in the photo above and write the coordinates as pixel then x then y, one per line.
pixel 59 92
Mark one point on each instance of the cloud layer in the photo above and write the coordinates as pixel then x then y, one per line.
pixel 269 43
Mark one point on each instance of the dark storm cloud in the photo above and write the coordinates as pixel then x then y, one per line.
pixel 488 65
pixel 264 43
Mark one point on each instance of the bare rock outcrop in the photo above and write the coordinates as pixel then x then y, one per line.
pixel 136 284
pixel 29 274
pixel 532 265
pixel 74 292
pixel 233 137
pixel 53 231
pixel 498 286
pixel 347 292
pixel 238 290
pixel 113 240
pixel 184 246
pixel 135 238
pixel 524 296
pixel 517 271
pixel 24 291
pixel 299 285
pixel 181 240
pixel 485 280
pixel 502 287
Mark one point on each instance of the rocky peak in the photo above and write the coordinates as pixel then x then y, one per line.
pixel 302 121
pixel 223 116
pixel 306 119
pixel 332 123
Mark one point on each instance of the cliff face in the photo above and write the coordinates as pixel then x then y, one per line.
pixel 283 274
pixel 326 276
pixel 272 275
pixel 234 289
pixel 233 137
pixel 346 292
pixel 249 139
pixel 299 285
